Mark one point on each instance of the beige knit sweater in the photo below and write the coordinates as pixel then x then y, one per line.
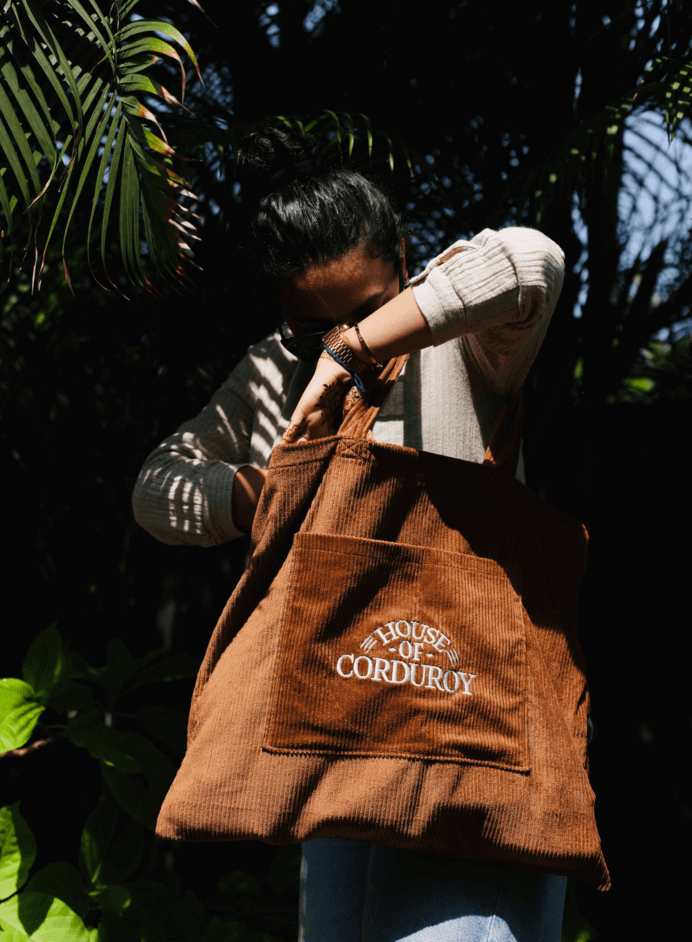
pixel 488 308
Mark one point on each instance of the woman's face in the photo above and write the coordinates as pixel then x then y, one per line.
pixel 341 291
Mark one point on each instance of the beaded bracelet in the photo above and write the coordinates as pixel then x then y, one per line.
pixel 365 347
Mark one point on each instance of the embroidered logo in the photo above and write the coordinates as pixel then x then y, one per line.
pixel 415 646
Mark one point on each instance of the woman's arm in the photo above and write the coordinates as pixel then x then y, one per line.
pixel 197 487
pixel 502 286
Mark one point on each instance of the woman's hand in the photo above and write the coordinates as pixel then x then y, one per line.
pixel 320 409
pixel 247 487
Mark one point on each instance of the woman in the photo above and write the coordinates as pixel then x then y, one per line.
pixel 333 246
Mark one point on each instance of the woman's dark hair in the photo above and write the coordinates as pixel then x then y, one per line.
pixel 302 206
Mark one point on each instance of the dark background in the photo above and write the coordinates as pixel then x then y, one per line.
pixel 495 102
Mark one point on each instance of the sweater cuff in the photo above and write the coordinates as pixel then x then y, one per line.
pixel 218 487
pixel 456 289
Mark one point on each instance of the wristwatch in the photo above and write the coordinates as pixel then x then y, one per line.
pixel 363 373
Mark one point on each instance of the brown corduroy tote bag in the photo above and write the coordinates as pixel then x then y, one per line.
pixel 399 663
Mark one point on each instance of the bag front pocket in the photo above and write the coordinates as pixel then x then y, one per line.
pixel 392 650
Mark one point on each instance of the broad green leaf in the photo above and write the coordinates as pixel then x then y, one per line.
pixel 150 899
pixel 120 667
pixel 113 898
pixel 109 746
pixel 10 934
pixel 97 834
pixel 239 882
pixel 111 846
pixel 284 871
pixel 187 917
pixel 62 881
pixel 17 850
pixel 141 796
pixel 153 895
pixel 46 665
pixel 44 919
pixel 19 713
pixel 168 726
pixel 178 667
pixel 113 928
pixel 74 697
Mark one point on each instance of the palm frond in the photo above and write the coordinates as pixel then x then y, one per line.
pixel 74 75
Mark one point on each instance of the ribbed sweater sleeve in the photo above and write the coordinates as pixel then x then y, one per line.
pixel 183 493
pixel 490 281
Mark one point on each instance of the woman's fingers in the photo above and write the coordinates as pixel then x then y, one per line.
pixel 295 431
pixel 319 410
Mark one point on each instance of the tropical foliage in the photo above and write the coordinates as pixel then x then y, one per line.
pixel 72 125
pixel 96 896
pixel 555 116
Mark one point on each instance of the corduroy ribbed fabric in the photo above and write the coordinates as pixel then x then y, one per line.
pixel 399 662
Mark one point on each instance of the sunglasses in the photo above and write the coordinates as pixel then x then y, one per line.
pixel 309 346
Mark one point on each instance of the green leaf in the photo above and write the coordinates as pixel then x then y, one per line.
pixel 143 26
pixel 46 665
pixel 62 881
pixel 48 37
pixel 9 934
pixel 81 668
pixel 239 883
pixel 151 895
pixel 110 746
pixel 112 898
pixel 168 726
pixel 187 917
pixel 120 667
pixel 115 124
pixel 112 844
pixel 284 871
pixel 97 834
pixel 150 901
pixel 19 713
pixel 179 667
pixel 640 384
pixel 141 796
pixel 44 919
pixel 113 928
pixel 75 696
pixel 17 850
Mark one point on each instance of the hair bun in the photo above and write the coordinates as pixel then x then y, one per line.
pixel 270 157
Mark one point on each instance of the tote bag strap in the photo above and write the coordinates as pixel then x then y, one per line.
pixel 503 448
pixel 502 451
pixel 359 415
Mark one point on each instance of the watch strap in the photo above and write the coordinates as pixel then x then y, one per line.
pixel 350 361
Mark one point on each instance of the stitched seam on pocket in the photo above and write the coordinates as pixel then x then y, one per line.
pixel 277 658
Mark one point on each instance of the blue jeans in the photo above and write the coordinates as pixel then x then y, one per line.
pixel 354 891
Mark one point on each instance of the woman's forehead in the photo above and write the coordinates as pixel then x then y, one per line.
pixel 337 287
